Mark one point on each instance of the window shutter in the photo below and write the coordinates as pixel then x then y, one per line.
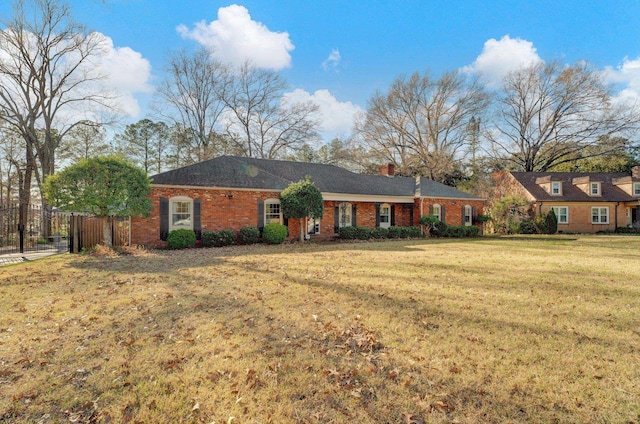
pixel 164 218
pixel 393 215
pixel 442 217
pixel 473 215
pixel 430 209
pixel 260 215
pixel 353 215
pixel 411 215
pixel 336 219
pixel 197 223
pixel 377 214
pixel 462 215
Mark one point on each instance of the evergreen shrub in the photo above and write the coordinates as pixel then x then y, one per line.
pixel 181 239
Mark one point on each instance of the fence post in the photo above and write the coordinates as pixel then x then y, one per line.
pixel 21 237
pixel 74 234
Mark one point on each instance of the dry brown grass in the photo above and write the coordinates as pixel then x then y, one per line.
pixel 487 330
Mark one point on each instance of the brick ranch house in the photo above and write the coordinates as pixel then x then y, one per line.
pixel 232 192
pixel 584 202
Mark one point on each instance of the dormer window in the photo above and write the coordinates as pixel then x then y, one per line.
pixel 556 188
pixel 636 189
pixel 594 189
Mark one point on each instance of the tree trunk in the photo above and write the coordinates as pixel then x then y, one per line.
pixel 106 231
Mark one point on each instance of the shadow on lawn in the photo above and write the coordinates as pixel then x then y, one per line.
pixel 244 317
pixel 166 260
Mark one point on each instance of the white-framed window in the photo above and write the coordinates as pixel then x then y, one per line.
pixel 562 214
pixel 344 215
pixel 180 213
pixel 556 188
pixel 313 226
pixel 437 211
pixel 599 215
pixel 636 189
pixel 272 212
pixel 468 215
pixel 385 216
pixel 594 189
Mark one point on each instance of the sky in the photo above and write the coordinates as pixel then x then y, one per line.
pixel 339 53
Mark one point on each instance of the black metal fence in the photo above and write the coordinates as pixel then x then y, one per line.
pixel 49 229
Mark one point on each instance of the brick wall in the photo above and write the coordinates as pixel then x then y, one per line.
pixel 452 207
pixel 580 216
pixel 220 210
pixel 234 209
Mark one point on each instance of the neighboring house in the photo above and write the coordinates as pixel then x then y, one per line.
pixel 232 192
pixel 584 202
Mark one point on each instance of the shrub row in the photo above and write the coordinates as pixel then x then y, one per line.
pixel 627 230
pixel 440 229
pixel 272 234
pixel 459 231
pixel 219 238
pixel 367 233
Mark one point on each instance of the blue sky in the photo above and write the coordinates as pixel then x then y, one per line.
pixel 340 52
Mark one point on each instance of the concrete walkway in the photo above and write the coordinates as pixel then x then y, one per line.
pixel 16 258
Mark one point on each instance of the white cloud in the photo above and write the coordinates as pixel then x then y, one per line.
pixel 126 72
pixel 333 61
pixel 626 77
pixel 336 118
pixel 114 75
pixel 499 57
pixel 235 38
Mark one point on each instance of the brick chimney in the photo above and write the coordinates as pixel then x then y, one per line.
pixel 388 169
pixel 635 172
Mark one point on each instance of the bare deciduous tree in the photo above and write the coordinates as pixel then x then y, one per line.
pixel 190 98
pixel 420 124
pixel 260 121
pixel 47 81
pixel 549 114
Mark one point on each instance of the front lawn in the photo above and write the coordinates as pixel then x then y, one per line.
pixel 470 331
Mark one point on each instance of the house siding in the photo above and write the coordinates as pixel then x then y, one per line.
pixel 580 216
pixel 576 196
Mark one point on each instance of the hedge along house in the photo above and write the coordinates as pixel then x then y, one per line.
pixel 584 202
pixel 232 192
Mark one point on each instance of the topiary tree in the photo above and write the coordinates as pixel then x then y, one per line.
pixel 302 200
pixel 105 186
pixel 427 222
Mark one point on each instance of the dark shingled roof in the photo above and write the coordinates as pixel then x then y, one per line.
pixel 267 174
pixel 571 192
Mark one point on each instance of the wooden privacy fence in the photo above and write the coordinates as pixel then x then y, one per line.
pixel 49 229
pixel 87 231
